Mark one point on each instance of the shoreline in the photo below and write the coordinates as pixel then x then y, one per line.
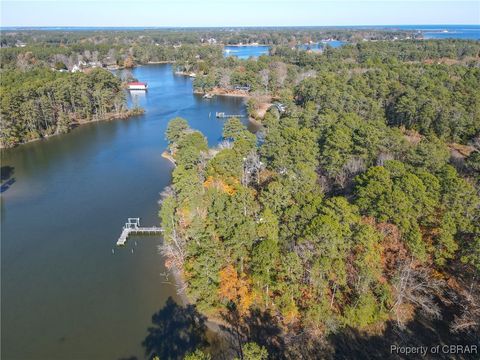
pixel 224 92
pixel 246 45
pixel 77 123
pixel 166 155
pixel 255 121
pixel 213 324
pixel 160 62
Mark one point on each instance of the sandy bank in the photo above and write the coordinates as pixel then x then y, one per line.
pixel 225 92
pixel 169 157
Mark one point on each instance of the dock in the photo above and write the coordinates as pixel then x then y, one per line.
pixel 132 227
pixel 223 115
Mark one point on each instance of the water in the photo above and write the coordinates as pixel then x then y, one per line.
pixel 245 52
pixel 317 47
pixel 453 32
pixel 64 294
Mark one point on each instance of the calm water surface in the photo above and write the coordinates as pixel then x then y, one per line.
pixel 465 32
pixel 64 294
pixel 321 45
pixel 245 52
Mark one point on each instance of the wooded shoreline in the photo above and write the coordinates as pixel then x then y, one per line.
pixel 109 117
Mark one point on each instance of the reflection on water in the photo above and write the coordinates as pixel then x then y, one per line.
pixel 65 293
pixel 7 178
pixel 177 330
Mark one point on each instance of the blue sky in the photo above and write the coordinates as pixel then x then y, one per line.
pixel 236 12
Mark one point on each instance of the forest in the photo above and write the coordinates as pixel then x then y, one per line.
pixel 114 47
pixel 374 80
pixel 356 210
pixel 354 214
pixel 40 102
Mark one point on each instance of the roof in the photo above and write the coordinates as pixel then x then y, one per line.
pixel 137 83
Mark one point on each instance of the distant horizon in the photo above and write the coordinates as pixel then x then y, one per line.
pixel 364 26
pixel 238 13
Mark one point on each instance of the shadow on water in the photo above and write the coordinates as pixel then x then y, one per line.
pixel 176 331
pixel 7 178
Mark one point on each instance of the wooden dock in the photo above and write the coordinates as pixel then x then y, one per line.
pixel 223 115
pixel 132 227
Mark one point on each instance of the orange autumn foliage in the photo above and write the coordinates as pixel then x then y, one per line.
pixel 290 314
pixel 236 288
pixel 394 250
pixel 184 217
pixel 219 184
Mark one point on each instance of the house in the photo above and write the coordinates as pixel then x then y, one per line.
pixel 243 88
pixel 280 107
pixel 137 85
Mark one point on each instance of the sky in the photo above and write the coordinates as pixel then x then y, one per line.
pixel 206 13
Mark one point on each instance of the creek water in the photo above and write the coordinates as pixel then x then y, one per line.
pixel 67 292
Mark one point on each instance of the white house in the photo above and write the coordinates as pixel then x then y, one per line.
pixel 137 85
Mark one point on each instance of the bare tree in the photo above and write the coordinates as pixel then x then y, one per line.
pixel 468 299
pixel 382 157
pixel 281 72
pixel 264 78
pixel 305 75
pixel 476 142
pixel 224 81
pixel 354 166
pixel 225 144
pixel 174 245
pixel 414 286
pixel 251 168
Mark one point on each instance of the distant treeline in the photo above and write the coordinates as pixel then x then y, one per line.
pixel 114 47
pixel 267 36
pixel 428 86
pixel 42 102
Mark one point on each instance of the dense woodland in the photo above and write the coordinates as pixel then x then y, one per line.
pixel 117 47
pixel 349 212
pixel 229 36
pixel 385 81
pixel 356 209
pixel 41 102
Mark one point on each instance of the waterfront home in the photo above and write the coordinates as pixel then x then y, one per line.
pixel 137 85
pixel 243 88
pixel 280 107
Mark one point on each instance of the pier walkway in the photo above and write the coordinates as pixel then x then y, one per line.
pixel 132 227
pixel 223 115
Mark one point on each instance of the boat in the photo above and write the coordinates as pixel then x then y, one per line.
pixel 208 96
